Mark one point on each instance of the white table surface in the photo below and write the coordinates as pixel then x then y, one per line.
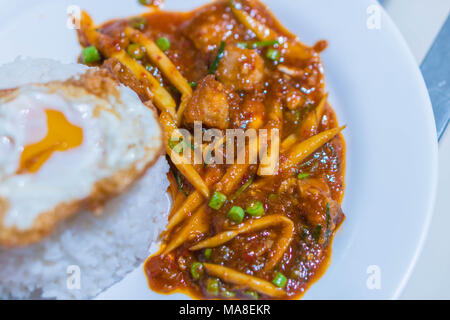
pixel 420 22
pixel 430 278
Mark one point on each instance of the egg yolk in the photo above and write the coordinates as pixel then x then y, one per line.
pixel 61 136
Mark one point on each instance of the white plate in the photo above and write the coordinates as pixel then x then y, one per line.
pixel 377 90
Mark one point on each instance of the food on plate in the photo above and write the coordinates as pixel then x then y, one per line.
pixel 76 148
pixel 233 231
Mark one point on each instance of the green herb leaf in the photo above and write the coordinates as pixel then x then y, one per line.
pixel 180 183
pixel 317 232
pixel 243 188
pixel 303 176
pixel 328 216
pixel 138 23
pixel 207 253
pixel 219 57
pixel 257 44
pixel 273 54
pixel 328 232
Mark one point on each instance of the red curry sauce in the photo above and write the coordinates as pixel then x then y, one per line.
pixel 310 195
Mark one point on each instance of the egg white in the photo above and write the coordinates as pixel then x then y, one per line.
pixel 123 134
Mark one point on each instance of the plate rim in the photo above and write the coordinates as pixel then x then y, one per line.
pixel 431 124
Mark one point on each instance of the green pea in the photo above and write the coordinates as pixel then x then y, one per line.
pixel 90 55
pixel 236 214
pixel 273 54
pixel 212 286
pixel 163 43
pixel 135 51
pixel 279 280
pixel 197 271
pixel 217 200
pixel 255 209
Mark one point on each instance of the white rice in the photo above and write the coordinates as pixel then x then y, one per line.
pixel 99 251
pixel 25 70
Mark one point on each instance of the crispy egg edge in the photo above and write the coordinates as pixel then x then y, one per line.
pixel 100 83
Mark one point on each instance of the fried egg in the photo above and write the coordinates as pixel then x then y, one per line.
pixel 68 145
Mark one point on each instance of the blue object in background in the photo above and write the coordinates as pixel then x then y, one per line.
pixel 436 72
